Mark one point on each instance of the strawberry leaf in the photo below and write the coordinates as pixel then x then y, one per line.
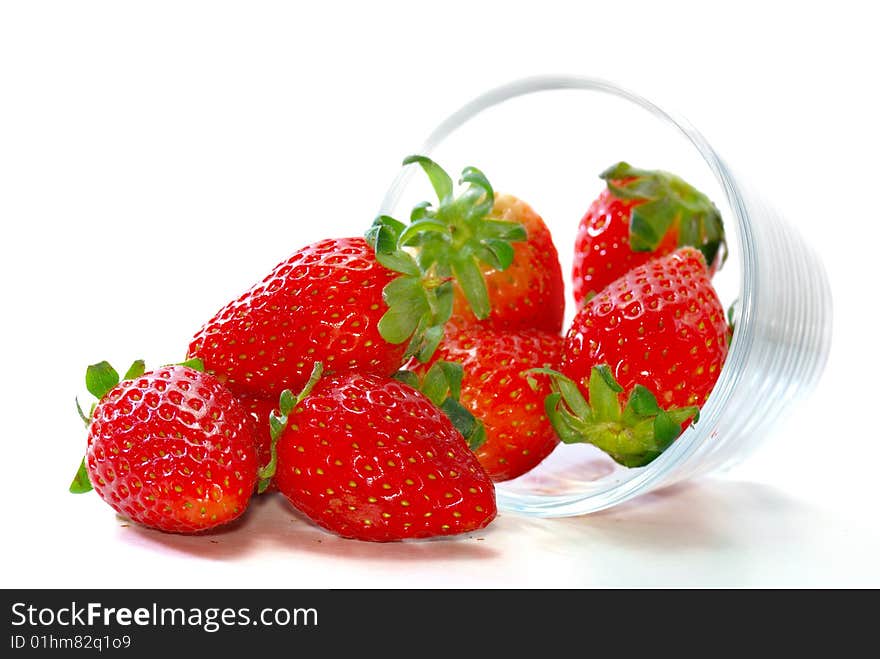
pixel 137 369
pixel 442 302
pixel 564 423
pixel 501 251
pixel 407 303
pixel 100 379
pixel 479 198
pixel 604 392
pixel 408 378
pixel 435 385
pixel 431 341
pixel 649 223
pixel 605 373
pixel 383 235
pixel 569 392
pixel 399 261
pixel 667 203
pixel 440 180
pixel 420 210
pixel 442 380
pixel 503 230
pixel 418 229
pixel 470 278
pixel 454 374
pixel 195 364
pixel 81 483
pixel 286 402
pixel 665 429
pixel 471 428
pixel 442 243
pixel 418 338
pixel 277 425
pixel 633 438
pixel 442 386
pixel 642 402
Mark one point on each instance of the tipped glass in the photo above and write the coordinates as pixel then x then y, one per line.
pixel 545 139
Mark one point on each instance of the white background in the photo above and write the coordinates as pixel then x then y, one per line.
pixel 157 158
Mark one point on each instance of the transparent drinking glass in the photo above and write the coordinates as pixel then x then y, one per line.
pixel 545 139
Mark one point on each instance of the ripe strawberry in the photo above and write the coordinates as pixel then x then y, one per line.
pixel 171 449
pixel 529 294
pixel 371 458
pixel 641 215
pixel 494 390
pixel 656 338
pixel 360 305
pixel 323 304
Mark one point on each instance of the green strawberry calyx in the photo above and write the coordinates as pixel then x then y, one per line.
pixel 442 386
pixel 279 421
pixel 440 245
pixel 101 378
pixel 633 435
pixel 668 203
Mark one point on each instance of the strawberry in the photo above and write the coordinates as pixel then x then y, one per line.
pixel 371 458
pixel 171 449
pixel 655 341
pixel 530 294
pixel 494 390
pixel 360 305
pixel 323 303
pixel 641 214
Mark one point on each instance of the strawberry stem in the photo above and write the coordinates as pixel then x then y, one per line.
pixel 87 419
pixel 287 404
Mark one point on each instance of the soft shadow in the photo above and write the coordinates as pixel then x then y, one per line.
pixel 718 533
pixel 271 524
pixel 703 515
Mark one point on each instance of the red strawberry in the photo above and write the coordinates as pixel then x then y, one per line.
pixel 494 390
pixel 360 305
pixel 530 294
pixel 323 304
pixel 171 449
pixel 641 215
pixel 655 339
pixel 371 458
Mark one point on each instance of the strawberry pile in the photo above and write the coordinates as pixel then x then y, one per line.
pixel 384 383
